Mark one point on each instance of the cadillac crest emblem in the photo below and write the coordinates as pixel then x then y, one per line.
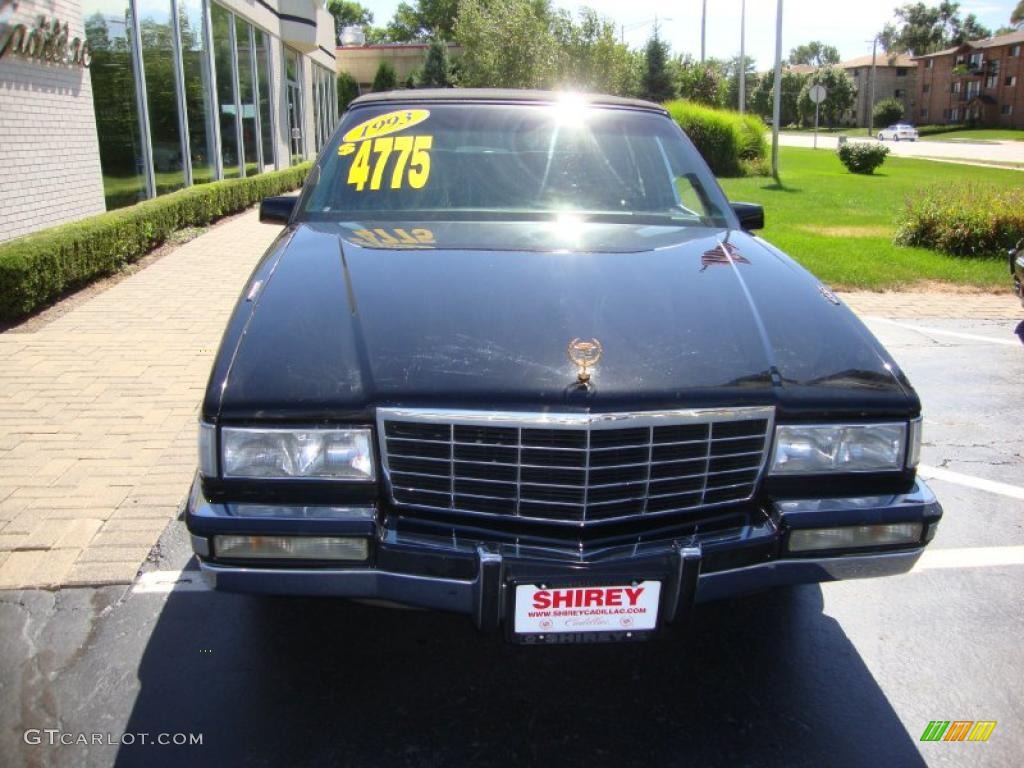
pixel 584 354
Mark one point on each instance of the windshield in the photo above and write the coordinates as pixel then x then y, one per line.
pixel 499 161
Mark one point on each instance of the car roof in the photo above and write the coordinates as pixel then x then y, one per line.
pixel 498 96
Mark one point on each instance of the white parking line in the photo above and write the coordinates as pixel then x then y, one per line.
pixel 162 582
pixel 942 332
pixel 971 557
pixel 970 481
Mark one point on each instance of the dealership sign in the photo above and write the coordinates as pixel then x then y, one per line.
pixel 49 40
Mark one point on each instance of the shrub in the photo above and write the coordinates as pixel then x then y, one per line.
pixel 932 130
pixel 731 143
pixel 437 72
pixel 38 268
pixel 887 112
pixel 754 145
pixel 386 79
pixel 963 220
pixel 348 90
pixel 859 157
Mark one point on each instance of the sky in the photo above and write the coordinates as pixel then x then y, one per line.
pixel 848 25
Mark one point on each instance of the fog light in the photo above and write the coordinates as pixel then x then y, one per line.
pixel 854 537
pixel 290 548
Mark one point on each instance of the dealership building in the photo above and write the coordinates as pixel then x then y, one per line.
pixel 104 103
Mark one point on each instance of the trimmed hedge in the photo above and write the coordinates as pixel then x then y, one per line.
pixel 935 130
pixel 38 268
pixel 963 220
pixel 862 157
pixel 731 143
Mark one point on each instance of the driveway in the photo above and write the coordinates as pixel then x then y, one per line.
pixel 964 151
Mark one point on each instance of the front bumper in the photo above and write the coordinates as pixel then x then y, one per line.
pixel 474 576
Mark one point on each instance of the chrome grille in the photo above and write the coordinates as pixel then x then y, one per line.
pixel 573 468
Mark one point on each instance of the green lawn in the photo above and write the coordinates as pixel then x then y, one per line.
pixel 840 225
pixel 980 134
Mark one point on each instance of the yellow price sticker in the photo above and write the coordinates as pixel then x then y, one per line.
pixel 388 123
pixel 411 167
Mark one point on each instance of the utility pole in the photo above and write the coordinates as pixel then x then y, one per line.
pixel 871 105
pixel 777 106
pixel 703 27
pixel 743 56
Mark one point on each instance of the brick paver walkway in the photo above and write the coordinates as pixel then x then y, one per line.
pixel 98 409
pixel 98 412
pixel 939 305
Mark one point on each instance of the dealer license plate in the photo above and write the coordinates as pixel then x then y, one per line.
pixel 618 608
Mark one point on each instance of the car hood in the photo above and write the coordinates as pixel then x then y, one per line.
pixel 339 319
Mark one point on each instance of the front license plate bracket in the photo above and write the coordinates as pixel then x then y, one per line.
pixel 675 589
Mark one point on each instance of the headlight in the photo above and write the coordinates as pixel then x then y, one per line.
pixel 317 454
pixel 820 448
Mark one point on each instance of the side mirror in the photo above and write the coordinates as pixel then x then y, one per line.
pixel 277 210
pixel 751 215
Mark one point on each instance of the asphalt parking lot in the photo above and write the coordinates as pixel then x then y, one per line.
pixel 843 674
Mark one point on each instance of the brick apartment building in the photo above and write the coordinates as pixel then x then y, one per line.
pixel 980 82
pixel 895 78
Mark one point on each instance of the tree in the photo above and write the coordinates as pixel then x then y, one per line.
pixel 657 83
pixel 386 78
pixel 815 53
pixel 506 44
pixel 436 69
pixel 1017 17
pixel 887 112
pixel 840 96
pixel 591 56
pixel 426 19
pixel 732 73
pixel 763 99
pixel 921 29
pixel 348 89
pixel 347 13
pixel 970 29
pixel 702 82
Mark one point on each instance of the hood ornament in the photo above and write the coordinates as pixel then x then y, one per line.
pixel 584 354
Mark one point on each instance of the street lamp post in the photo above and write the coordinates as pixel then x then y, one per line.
pixel 703 27
pixel 777 105
pixel 871 98
pixel 743 56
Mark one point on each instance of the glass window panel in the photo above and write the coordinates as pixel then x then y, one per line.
pixel 291 66
pixel 199 107
pixel 317 121
pixel 247 96
pixel 161 93
pixel 107 26
pixel 222 55
pixel 324 122
pixel 266 113
pixel 293 91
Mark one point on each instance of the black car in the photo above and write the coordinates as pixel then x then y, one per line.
pixel 515 355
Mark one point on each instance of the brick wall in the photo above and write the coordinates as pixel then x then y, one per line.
pixel 49 156
pixel 937 103
pixel 889 84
